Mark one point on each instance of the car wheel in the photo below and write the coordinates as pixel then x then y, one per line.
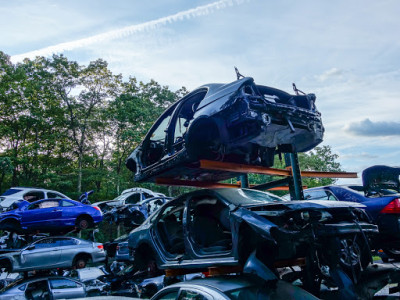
pixel 353 256
pixel 80 263
pixel 392 253
pixel 11 225
pixel 83 223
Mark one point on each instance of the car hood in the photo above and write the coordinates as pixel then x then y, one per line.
pixel 89 273
pixel 379 177
pixel 309 204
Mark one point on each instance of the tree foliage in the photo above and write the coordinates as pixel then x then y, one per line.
pixel 70 127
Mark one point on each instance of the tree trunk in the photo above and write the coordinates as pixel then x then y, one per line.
pixel 80 172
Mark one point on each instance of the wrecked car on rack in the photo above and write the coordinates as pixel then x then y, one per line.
pixel 237 122
pixel 222 227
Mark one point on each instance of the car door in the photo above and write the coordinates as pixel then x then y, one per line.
pixel 180 120
pixel 42 215
pixel 168 230
pixel 68 250
pixel 41 254
pixel 63 288
pixel 154 144
pixel 209 232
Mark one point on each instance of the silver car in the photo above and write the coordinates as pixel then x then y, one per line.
pixel 44 288
pixel 53 252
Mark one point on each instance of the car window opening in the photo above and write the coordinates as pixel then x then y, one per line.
pixel 209 225
pixel 170 229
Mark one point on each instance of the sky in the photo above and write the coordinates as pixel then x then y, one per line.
pixel 346 52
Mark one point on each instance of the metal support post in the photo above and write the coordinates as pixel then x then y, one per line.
pixel 244 181
pixel 295 185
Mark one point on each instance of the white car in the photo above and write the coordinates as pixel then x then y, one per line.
pixel 129 196
pixel 27 193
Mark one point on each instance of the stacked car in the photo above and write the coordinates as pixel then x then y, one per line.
pixel 251 244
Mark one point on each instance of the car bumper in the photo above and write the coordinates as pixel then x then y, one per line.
pixel 99 256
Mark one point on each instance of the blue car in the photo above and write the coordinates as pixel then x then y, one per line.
pixel 380 193
pixel 50 215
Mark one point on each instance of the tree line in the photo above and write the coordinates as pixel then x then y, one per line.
pixel 70 127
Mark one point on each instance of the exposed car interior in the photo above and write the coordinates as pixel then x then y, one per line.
pixel 209 226
pixel 38 290
pixel 170 229
pixel 184 116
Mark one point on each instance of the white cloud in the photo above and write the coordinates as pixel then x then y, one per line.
pixel 128 30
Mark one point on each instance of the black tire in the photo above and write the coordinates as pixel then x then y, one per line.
pixel 84 222
pixel 144 260
pixel 80 262
pixel 353 256
pixel 11 226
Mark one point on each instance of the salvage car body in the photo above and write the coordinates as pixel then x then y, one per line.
pixel 223 226
pixel 128 196
pixel 380 193
pixel 232 287
pixel 238 122
pixel 53 287
pixel 134 214
pixel 50 215
pixel 53 252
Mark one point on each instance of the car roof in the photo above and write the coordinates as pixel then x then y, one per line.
pixel 221 283
pixel 239 196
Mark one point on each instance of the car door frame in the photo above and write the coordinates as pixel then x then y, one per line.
pixel 157 241
pixel 190 248
pixel 170 136
pixel 146 141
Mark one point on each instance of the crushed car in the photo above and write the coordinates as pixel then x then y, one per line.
pixel 222 227
pixel 128 196
pixel 134 214
pixel 236 122
pixel 380 193
pixel 91 278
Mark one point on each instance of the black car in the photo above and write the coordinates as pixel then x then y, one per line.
pixel 222 227
pixel 236 122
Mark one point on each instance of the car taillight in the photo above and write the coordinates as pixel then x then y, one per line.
pixel 117 247
pixel 392 208
pixel 98 208
pixel 100 246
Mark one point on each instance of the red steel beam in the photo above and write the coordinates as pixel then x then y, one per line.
pixel 242 168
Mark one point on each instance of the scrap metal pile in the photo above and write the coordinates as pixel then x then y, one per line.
pixel 249 244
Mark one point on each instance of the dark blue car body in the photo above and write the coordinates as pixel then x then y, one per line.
pixel 50 215
pixel 388 223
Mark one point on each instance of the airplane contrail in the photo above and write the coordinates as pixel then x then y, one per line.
pixel 129 30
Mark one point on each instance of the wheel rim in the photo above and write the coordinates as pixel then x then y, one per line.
pixel 83 224
pixel 80 264
pixel 349 252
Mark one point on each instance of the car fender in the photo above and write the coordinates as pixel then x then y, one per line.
pixel 8 259
pixel 259 224
pixel 13 217
pixel 198 124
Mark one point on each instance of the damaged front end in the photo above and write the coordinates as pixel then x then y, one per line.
pixel 272 118
pixel 326 237
pixel 381 180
